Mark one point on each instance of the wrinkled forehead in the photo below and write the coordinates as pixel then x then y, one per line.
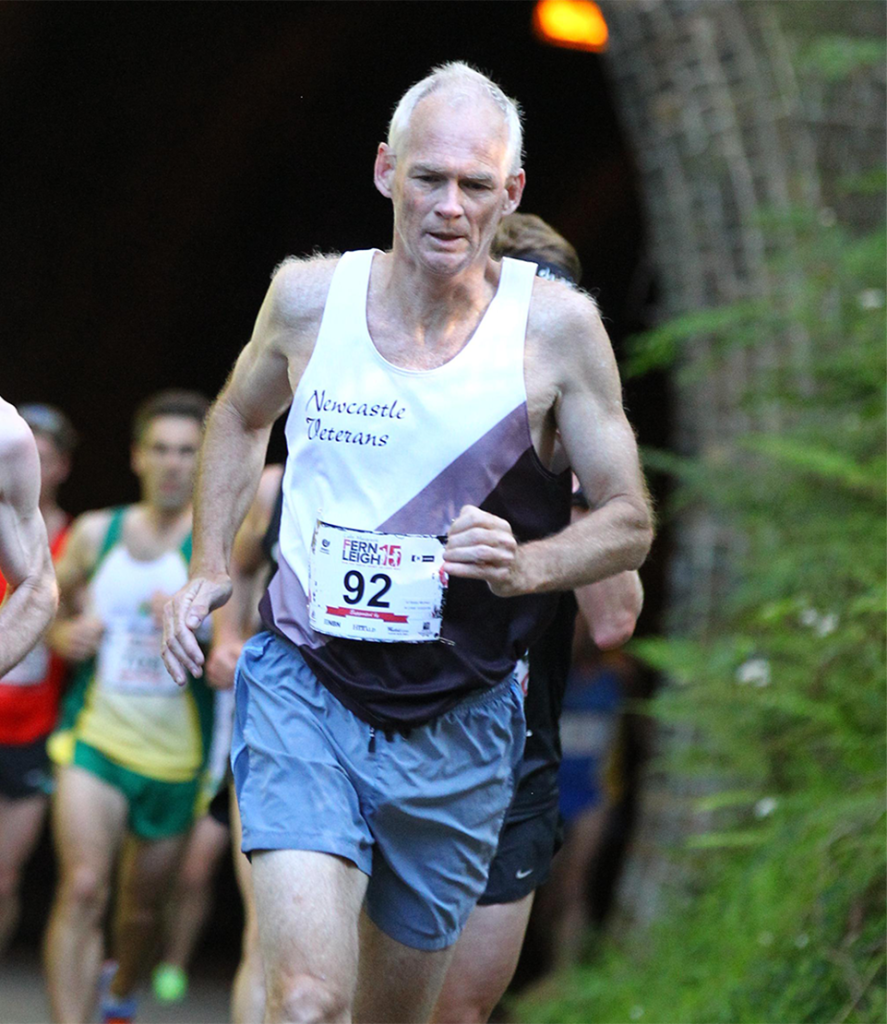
pixel 458 121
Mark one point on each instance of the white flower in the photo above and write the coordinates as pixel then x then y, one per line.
pixel 870 298
pixel 822 625
pixel 809 617
pixel 636 1012
pixel 765 807
pixel 765 939
pixel 827 624
pixel 802 940
pixel 755 670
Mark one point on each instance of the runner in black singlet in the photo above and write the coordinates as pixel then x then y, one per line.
pixel 254 560
pixel 487 952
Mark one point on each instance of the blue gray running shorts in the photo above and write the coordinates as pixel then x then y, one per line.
pixel 420 814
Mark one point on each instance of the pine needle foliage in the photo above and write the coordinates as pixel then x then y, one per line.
pixel 783 919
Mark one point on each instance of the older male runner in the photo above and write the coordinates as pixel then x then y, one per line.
pixel 30 691
pixel 131 744
pixel 378 722
pixel 25 561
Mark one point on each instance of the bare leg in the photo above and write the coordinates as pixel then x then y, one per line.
pixel 20 823
pixel 146 873
pixel 192 892
pixel 89 819
pixel 398 985
pixel 569 885
pixel 248 991
pixel 308 906
pixel 484 962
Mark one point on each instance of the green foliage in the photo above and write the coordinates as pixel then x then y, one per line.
pixel 776 933
pixel 785 695
pixel 871 183
pixel 837 57
pixel 660 349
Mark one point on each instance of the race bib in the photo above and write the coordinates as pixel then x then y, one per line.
pixel 31 670
pixel 385 587
pixel 129 657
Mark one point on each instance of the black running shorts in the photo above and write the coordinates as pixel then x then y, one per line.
pixel 527 843
pixel 25 769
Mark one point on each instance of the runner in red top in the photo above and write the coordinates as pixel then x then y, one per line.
pixel 30 692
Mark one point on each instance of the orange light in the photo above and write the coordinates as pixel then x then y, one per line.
pixel 577 24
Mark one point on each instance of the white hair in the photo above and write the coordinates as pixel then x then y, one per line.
pixel 461 78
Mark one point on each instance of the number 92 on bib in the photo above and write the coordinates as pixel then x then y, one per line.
pixel 385 587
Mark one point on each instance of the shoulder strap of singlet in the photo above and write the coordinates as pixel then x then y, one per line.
pixel 115 530
pixel 345 308
pixel 516 286
pixel 112 536
pixel 352 275
pixel 500 336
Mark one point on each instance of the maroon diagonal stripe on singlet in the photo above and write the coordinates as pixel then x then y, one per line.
pixel 465 481
pixel 284 607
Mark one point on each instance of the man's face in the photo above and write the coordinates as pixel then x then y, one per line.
pixel 450 186
pixel 165 460
pixel 55 466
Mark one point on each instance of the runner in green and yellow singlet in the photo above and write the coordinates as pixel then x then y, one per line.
pixel 131 744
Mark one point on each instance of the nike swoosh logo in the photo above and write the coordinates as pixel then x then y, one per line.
pixel 523 874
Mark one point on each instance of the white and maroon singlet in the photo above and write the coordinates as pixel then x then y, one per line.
pixel 372 446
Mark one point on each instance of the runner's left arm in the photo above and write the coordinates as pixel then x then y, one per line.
pixel 583 391
pixel 25 560
pixel 236 620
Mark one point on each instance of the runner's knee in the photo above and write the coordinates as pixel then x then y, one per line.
pixel 466 1007
pixel 305 999
pixel 84 889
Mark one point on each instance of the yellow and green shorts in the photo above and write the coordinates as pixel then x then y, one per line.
pixel 157 810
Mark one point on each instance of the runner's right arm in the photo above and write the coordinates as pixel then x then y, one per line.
pixel 259 389
pixel 76 633
pixel 25 560
pixel 611 608
pixel 237 620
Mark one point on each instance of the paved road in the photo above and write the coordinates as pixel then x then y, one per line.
pixel 23 999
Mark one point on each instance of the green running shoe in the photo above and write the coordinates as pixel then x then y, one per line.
pixel 170 983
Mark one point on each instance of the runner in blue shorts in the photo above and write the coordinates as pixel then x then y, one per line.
pixel 424 536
